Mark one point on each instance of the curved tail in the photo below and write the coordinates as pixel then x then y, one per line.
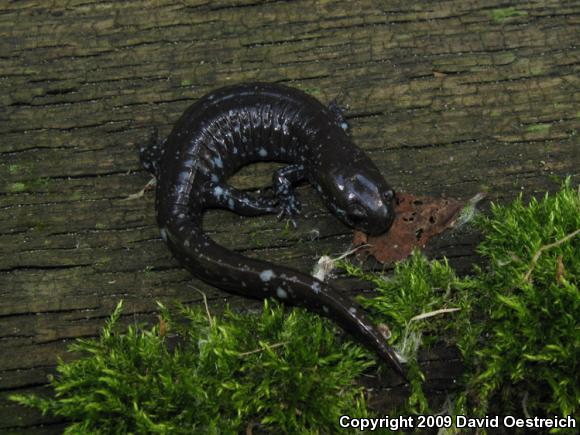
pixel 257 279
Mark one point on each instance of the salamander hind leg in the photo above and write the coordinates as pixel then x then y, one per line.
pixel 218 195
pixel 152 153
pixel 284 181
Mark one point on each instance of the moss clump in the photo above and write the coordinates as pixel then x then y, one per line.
pixel 524 343
pixel 271 371
pixel 418 303
pixel 17 187
pixel 504 14
pixel 539 128
pixel 517 326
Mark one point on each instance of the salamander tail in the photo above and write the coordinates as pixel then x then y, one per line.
pixel 258 279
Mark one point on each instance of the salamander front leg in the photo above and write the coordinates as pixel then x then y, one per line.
pixel 338 112
pixel 284 181
pixel 219 195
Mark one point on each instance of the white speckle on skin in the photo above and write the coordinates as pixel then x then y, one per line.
pixel 281 293
pixel 352 310
pixel 181 215
pixel 267 275
pixel 231 203
pixel 262 152
pixel 218 162
pixel 316 287
pixel 186 243
pixel 325 309
pixel 218 191
pixel 214 178
pixel 163 233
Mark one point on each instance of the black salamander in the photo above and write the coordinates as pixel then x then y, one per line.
pixel 237 125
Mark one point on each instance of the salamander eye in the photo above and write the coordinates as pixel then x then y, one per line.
pixel 389 195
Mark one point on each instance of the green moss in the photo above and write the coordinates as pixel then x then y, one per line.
pixel 103 261
pixel 420 302
pixel 20 186
pixel 14 169
pixel 539 128
pixel 505 58
pixel 517 327
pixel 528 300
pixel 186 82
pixel 308 89
pixel 288 229
pixel 17 187
pixel 226 374
pixel 38 225
pixel 504 14
pixel 41 182
pixel 402 37
pixel 148 271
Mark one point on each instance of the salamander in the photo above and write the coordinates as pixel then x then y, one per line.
pixel 253 122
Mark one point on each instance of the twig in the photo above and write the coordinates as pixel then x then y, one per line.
pixel 434 313
pixel 261 349
pixel 353 250
pixel 545 248
pixel 141 193
pixel 524 405
pixel 326 264
pixel 205 304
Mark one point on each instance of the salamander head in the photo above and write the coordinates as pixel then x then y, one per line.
pixel 362 199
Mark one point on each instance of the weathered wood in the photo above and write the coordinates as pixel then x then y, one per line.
pixel 448 98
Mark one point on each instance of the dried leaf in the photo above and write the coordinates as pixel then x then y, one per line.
pixel 162 327
pixel 418 219
pixel 559 270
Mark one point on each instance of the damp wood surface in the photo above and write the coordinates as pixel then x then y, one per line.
pixel 448 98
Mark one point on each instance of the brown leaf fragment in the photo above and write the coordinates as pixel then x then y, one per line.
pixel 162 327
pixel 559 270
pixel 417 220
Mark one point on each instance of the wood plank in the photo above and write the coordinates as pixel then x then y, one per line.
pixel 449 98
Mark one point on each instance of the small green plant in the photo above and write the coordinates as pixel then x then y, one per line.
pixel 229 373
